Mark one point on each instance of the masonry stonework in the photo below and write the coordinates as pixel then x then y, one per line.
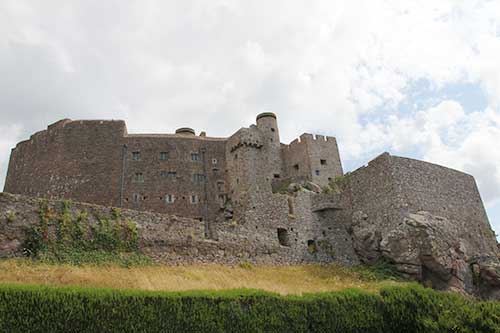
pixel 251 198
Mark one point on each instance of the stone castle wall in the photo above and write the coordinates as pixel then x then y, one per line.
pixel 71 159
pixel 193 176
pixel 315 158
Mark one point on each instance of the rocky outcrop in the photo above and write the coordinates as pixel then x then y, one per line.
pixel 431 249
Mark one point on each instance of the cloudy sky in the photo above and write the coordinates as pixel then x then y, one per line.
pixel 415 78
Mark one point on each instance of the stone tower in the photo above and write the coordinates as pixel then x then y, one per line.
pixel 271 149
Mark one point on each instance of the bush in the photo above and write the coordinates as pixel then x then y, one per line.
pixel 397 309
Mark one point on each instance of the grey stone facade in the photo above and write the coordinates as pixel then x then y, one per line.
pixel 251 198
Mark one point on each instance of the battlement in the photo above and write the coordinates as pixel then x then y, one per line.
pixel 245 137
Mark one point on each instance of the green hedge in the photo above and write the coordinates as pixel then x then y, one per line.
pixel 396 309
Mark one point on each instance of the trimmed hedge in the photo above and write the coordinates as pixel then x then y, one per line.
pixel 396 309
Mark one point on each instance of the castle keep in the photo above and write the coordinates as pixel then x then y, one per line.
pixel 250 197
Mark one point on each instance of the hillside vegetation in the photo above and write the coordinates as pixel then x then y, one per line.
pixel 279 279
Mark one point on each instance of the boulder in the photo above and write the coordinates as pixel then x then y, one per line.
pixel 430 249
pixel 313 187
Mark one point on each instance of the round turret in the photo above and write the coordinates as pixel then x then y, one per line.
pixel 185 131
pixel 266 114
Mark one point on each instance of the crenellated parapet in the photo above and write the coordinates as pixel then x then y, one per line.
pixel 245 137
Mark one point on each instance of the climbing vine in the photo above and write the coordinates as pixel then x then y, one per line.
pixel 69 236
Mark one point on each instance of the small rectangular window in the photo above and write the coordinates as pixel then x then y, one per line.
pixel 136 156
pixel 323 162
pixel 169 198
pixel 163 156
pixel 317 172
pixel 220 186
pixel 139 177
pixel 172 175
pixel 198 178
pixel 276 175
pixel 194 199
pixel 296 167
pixel 195 157
pixel 136 197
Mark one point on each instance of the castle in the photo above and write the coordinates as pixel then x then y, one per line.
pixel 251 197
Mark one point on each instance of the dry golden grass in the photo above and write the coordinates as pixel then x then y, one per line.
pixel 281 279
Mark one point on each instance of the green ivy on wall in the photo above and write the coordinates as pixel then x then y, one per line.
pixel 69 237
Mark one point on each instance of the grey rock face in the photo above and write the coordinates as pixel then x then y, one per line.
pixel 430 248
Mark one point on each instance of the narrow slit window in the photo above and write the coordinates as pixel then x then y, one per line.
pixel 169 198
pixel 194 199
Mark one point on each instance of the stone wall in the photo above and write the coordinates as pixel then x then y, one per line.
pixel 315 158
pixel 177 240
pixel 81 160
pixel 178 175
pixel 426 219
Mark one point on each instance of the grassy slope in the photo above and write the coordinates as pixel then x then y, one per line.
pixel 284 279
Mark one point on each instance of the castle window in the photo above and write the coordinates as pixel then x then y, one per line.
pixel 169 198
pixel 171 175
pixel 163 156
pixel 136 156
pixel 198 178
pixel 291 209
pixel 311 246
pixel 139 177
pixel 222 199
pixel 283 237
pixel 317 172
pixel 136 197
pixel 322 162
pixel 214 161
pixel 195 157
pixel 220 186
pixel 272 129
pixel 194 199
pixel 296 167
pixel 277 175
